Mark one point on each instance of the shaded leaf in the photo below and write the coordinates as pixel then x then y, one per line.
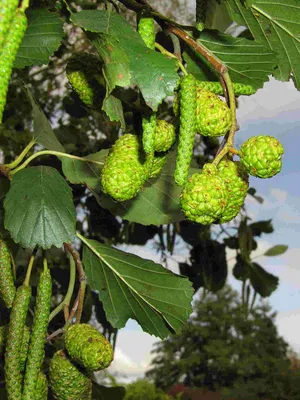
pixel 82 172
pixel 114 110
pixel 39 209
pixel 262 281
pixel 245 239
pixel 261 227
pixel 43 36
pixel 131 287
pixel 156 204
pixel 241 270
pixel 112 393
pixel 248 61
pixel 275 24
pixel 152 72
pixel 276 250
pixel 42 131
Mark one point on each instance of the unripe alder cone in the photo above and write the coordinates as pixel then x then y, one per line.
pixel 164 136
pixel 67 382
pixel 88 347
pixel 24 344
pixel 157 165
pixel 124 173
pixel 41 389
pixel 261 156
pixel 236 180
pixel 204 197
pixel 213 116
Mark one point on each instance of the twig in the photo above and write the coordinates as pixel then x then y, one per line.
pixel 64 305
pixel 81 277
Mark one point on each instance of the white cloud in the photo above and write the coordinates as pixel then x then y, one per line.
pixel 287 323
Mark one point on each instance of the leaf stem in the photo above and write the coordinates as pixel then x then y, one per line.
pixel 53 153
pixel 20 158
pixel 28 272
pixel 81 277
pixel 171 55
pixel 66 302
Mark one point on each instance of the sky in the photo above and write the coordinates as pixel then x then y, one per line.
pixel 273 110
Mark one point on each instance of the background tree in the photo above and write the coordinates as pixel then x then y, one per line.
pixel 224 346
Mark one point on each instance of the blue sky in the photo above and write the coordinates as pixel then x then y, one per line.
pixel 274 110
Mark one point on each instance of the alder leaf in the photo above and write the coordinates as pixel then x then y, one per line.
pixel 132 287
pixel 248 61
pixel 42 37
pixel 275 24
pixel 39 209
pixel 276 250
pixel 152 72
pixel 83 172
pixel 42 131
pixel 262 281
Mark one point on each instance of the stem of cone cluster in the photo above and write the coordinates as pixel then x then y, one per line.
pixel 66 302
pixel 53 153
pixel 28 272
pixel 20 158
pixel 171 55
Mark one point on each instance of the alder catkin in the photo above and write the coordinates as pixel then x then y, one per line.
pixel 38 335
pixel 7 286
pixel 187 128
pixel 13 376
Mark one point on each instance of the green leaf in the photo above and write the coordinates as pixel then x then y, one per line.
pixel 262 281
pixel 241 270
pixel 152 72
pixel 132 287
pixel 245 238
pixel 274 24
pixel 42 38
pixel 276 250
pixel 114 110
pixel 42 131
pixel 82 172
pixel 262 227
pixel 156 204
pixel 116 67
pixel 112 393
pixel 248 61
pixel 39 209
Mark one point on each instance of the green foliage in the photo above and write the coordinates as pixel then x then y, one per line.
pixel 38 335
pixel 142 389
pixel 221 347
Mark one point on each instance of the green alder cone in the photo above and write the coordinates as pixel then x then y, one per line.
pixel 41 389
pixel 24 344
pixel 124 173
pixel 149 132
pixel 7 12
pixel 81 85
pixel 237 182
pixel 204 197
pixel 7 285
pixel 261 156
pixel 213 116
pixel 146 29
pixel 67 382
pixel 88 347
pixel 165 136
pixel 9 52
pixel 201 10
pixel 38 335
pixel 187 129
pixel 157 165
pixel 13 376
